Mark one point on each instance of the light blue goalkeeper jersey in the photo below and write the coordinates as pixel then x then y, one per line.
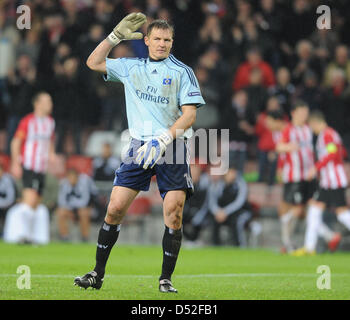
pixel 154 93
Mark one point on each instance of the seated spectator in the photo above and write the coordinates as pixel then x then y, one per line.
pixel 30 44
pixel 71 103
pixel 228 205
pixel 310 91
pixel 208 118
pixel 254 37
pixel 75 195
pixel 342 62
pixel 164 14
pixel 196 209
pixel 298 23
pixel 234 41
pixel 244 11
pixel 22 85
pixel 266 146
pixel 210 33
pixel 335 102
pixel 254 60
pixel 324 41
pixel 52 30
pixel 257 93
pixel 63 51
pixel 104 166
pixel 269 19
pixel 304 61
pixel 217 68
pixel 89 40
pixel 284 89
pixel 240 121
pixel 7 195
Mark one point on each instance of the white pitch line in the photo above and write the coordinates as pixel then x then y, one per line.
pixel 207 275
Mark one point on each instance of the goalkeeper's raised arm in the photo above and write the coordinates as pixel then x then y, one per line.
pixel 125 30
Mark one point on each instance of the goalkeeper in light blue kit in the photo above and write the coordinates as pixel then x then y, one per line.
pixel 162 96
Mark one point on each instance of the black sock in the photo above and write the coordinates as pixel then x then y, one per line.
pixel 107 237
pixel 171 247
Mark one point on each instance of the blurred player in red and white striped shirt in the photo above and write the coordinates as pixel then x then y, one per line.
pixel 332 181
pixel 299 157
pixel 34 138
pixel 296 150
pixel 296 161
pixel 31 149
pixel 330 153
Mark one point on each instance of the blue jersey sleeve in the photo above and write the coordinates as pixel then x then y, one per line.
pixel 117 69
pixel 190 92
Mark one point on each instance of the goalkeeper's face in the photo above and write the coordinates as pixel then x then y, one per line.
pixel 159 43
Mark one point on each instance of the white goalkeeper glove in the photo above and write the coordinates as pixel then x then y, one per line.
pixel 125 29
pixel 150 153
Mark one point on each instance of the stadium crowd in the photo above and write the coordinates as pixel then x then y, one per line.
pixel 250 58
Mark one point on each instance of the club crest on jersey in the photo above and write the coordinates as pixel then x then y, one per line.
pixel 167 81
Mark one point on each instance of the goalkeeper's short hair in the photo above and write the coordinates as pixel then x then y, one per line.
pixel 160 24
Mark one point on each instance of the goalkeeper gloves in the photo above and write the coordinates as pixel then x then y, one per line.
pixel 150 153
pixel 125 29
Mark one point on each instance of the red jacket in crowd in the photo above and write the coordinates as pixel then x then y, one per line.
pixel 241 79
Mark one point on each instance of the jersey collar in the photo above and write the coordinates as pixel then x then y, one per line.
pixel 149 59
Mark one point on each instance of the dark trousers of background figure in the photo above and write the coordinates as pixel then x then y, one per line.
pixel 191 231
pixel 12 120
pixel 237 223
pixel 346 142
pixel 267 168
pixel 62 128
pixel 2 221
pixel 4 94
pixel 237 159
pixel 11 127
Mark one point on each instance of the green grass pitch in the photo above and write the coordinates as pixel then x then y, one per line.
pixel 201 273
